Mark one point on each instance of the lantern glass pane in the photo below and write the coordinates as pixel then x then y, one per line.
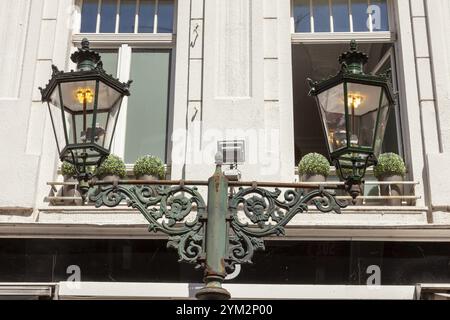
pixel 363 106
pixel 110 125
pixel 85 134
pixel 56 118
pixel 382 125
pixel 332 109
pixel 74 95
pixel 107 97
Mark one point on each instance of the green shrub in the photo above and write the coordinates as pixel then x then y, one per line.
pixel 68 169
pixel 389 164
pixel 314 163
pixel 113 165
pixel 149 165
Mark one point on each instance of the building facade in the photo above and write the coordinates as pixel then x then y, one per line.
pixel 208 72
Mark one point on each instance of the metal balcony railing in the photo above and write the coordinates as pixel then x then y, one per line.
pixel 375 193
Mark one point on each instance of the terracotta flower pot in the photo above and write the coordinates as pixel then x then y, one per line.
pixel 70 191
pixel 396 189
pixel 147 177
pixel 110 178
pixel 313 178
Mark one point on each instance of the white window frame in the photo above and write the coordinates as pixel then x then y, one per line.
pixel 79 3
pixel 125 43
pixel 334 37
pixel 360 37
pixel 390 56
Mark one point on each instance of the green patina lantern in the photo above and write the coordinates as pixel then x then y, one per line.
pixel 354 107
pixel 84 107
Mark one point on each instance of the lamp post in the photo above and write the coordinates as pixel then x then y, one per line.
pixel 228 228
pixel 354 108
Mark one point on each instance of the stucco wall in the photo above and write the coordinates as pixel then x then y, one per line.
pixel 38 31
pixel 233 79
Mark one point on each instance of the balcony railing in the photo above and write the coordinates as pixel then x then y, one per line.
pixel 375 193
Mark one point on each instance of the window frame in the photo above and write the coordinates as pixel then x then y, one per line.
pixel 334 37
pixel 125 43
pixel 362 37
pixel 79 4
pixel 390 56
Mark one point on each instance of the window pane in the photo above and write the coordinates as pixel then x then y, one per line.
pixel 127 16
pixel 360 16
pixel 147 107
pixel 109 59
pixel 302 16
pixel 108 13
pixel 165 16
pixel 321 11
pixel 89 16
pixel 341 16
pixel 380 17
pixel 146 16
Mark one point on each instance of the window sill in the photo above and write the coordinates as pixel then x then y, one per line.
pixel 115 40
pixel 343 37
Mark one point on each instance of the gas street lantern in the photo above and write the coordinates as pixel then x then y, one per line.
pixel 84 107
pixel 354 108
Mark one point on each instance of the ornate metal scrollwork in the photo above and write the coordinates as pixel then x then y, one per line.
pixel 264 214
pixel 166 209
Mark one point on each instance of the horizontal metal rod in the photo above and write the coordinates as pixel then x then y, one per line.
pixel 327 185
pixel 380 198
pixel 384 183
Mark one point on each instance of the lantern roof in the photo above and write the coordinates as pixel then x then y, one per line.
pixel 352 64
pixel 89 67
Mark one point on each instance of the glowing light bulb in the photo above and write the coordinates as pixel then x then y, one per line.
pixel 355 101
pixel 85 95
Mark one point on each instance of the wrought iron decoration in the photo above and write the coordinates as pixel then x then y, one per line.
pixel 243 221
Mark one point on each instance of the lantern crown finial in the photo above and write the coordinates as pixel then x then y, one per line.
pixel 85 58
pixel 353 61
pixel 85 44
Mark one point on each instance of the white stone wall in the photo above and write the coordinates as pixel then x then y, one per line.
pixel 233 80
pixel 34 34
pixel 236 85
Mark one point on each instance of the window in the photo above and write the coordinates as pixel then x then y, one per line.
pixel 318 61
pixel 127 16
pixel 322 31
pixel 315 16
pixel 140 49
pixel 147 116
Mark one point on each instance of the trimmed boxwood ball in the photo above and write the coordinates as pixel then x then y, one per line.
pixel 389 164
pixel 68 170
pixel 149 165
pixel 314 164
pixel 113 165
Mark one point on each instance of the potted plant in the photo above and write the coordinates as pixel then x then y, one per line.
pixel 390 168
pixel 314 167
pixel 69 172
pixel 113 168
pixel 149 168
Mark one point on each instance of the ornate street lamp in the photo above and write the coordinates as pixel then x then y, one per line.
pixel 354 107
pixel 228 228
pixel 84 106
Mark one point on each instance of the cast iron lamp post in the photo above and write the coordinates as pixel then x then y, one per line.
pixel 228 228
pixel 354 108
